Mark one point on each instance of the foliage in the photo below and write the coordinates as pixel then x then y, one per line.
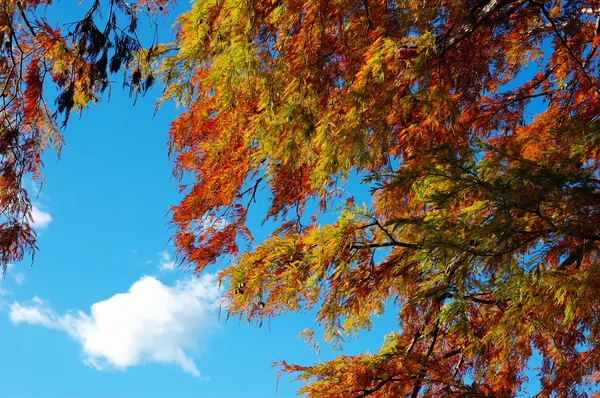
pixel 475 124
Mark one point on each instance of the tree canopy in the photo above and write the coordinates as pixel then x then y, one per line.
pixel 474 124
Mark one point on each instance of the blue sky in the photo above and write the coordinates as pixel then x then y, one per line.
pixel 103 311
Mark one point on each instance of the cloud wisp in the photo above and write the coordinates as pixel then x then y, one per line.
pixel 151 322
pixel 41 219
pixel 18 277
pixel 166 262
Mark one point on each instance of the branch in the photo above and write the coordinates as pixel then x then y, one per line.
pixel 387 244
pixel 562 39
pixel 419 381
pixel 482 17
pixel 576 256
pixel 25 19
pixel 377 387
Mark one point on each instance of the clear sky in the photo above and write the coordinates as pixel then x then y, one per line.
pixel 103 311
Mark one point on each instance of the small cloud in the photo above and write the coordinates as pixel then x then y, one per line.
pixel 166 263
pixel 213 222
pixel 151 322
pixel 41 219
pixel 37 313
pixel 19 278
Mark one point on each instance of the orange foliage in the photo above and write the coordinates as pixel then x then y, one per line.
pixel 476 128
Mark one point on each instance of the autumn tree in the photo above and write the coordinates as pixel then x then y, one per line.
pixel 474 125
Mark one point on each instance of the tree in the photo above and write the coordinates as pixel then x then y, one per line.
pixel 475 124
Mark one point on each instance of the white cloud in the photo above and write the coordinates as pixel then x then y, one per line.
pixel 213 222
pixel 36 313
pixel 19 278
pixel 151 322
pixel 41 219
pixel 166 263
